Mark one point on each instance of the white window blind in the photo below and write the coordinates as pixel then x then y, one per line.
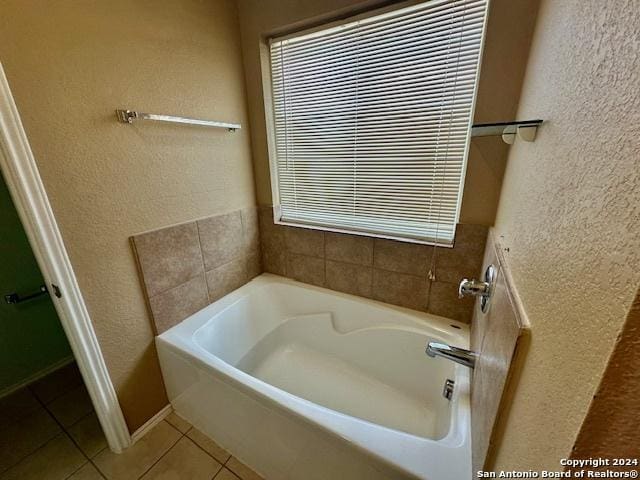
pixel 372 120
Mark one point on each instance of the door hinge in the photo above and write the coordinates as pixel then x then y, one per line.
pixel 56 290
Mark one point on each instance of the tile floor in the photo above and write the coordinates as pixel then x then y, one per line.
pixel 48 431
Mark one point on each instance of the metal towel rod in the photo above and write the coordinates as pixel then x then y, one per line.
pixel 129 116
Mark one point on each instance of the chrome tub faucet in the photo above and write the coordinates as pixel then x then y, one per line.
pixel 455 354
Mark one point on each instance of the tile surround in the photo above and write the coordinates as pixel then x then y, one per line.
pixel 403 289
pixel 223 252
pixel 349 248
pixel 386 270
pixel 185 267
pixel 174 305
pixel 349 278
pixel 221 239
pixel 169 257
pixel 501 338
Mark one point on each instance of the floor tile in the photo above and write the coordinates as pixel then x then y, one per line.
pixel 72 406
pixel 57 383
pixel 138 458
pixel 208 445
pixel 177 421
pixel 25 436
pixel 240 469
pixel 17 405
pixel 225 474
pixel 58 459
pixel 87 472
pixel 87 433
pixel 185 461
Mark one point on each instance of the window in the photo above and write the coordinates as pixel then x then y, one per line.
pixel 372 120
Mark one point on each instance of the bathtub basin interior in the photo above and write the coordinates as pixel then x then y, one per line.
pixel 371 367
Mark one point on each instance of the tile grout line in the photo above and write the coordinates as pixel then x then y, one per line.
pixel 166 452
pixel 198 445
pixel 67 434
pixel 204 267
pixel 2 472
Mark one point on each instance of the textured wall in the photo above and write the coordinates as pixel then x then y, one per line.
pixel 569 213
pixel 610 429
pixel 70 64
pixel 504 60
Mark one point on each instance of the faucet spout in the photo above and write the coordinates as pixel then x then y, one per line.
pixel 455 354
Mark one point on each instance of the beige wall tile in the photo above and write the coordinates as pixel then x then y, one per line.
pixel 24 437
pixel 171 307
pixel 305 241
pixel 242 470
pixel 253 264
pixel 221 238
pixel 88 435
pixel 59 458
pixel 226 278
pixel 272 243
pixel 250 229
pixel 349 248
pixel 401 257
pixel 464 260
pixel 265 220
pixel 185 461
pixel 168 257
pixel 208 445
pixel 138 458
pixel 178 422
pixel 274 260
pixel 500 341
pixel 400 289
pixel 444 301
pixel 306 269
pixel 349 278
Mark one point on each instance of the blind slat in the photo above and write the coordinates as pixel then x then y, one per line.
pixel 372 120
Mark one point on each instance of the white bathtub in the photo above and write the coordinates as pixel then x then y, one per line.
pixel 301 382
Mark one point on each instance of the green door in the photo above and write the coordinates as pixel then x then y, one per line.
pixel 31 337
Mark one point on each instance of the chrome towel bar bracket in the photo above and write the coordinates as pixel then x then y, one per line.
pixel 129 116
pixel 526 130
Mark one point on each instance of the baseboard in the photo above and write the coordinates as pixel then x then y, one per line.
pixel 149 424
pixel 36 376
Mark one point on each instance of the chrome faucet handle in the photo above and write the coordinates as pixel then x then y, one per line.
pixel 473 287
pixel 478 288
